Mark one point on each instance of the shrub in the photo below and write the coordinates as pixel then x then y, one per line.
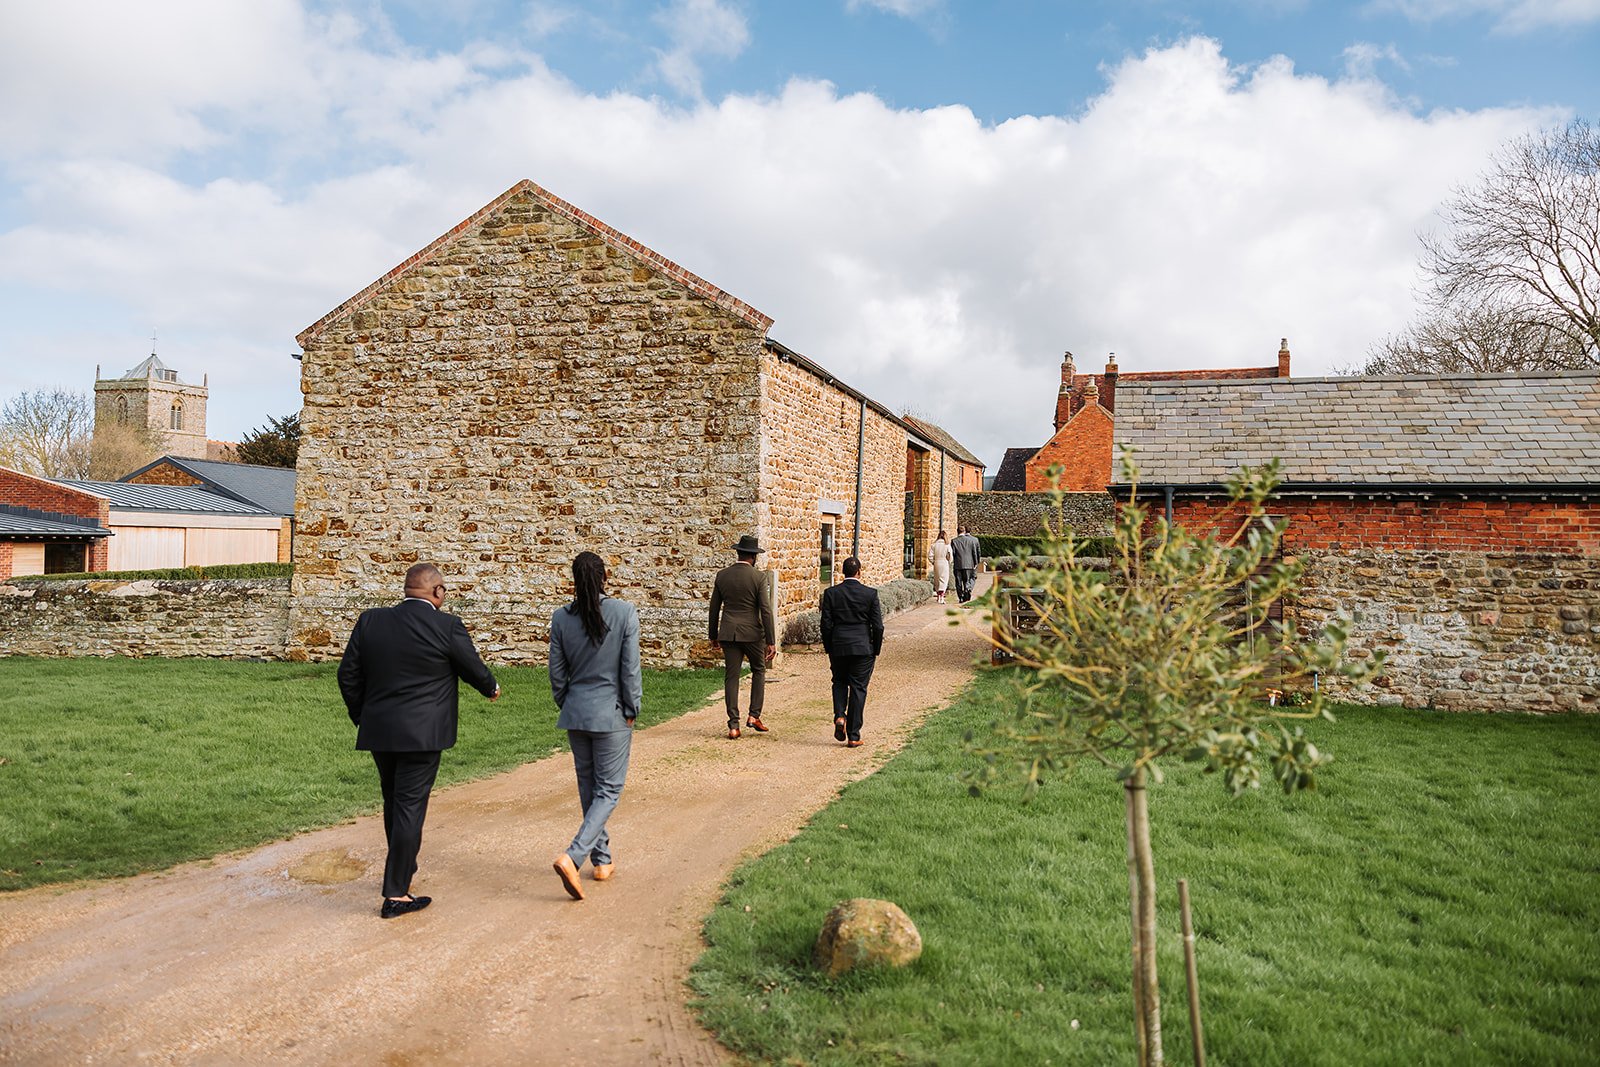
pixel 180 574
pixel 896 596
pixel 1003 545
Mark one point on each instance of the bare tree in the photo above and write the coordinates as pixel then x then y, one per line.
pixel 47 433
pixel 120 448
pixel 1480 340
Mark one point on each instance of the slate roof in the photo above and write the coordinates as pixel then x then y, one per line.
pixel 616 238
pixel 268 488
pixel 26 524
pixel 941 437
pixel 152 367
pixel 167 498
pixel 1012 475
pixel 1455 429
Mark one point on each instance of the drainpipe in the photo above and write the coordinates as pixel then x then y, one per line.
pixel 941 488
pixel 861 444
pixel 1169 506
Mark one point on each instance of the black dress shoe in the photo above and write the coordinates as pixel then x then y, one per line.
pixel 392 908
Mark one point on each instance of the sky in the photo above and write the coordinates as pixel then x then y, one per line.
pixel 933 199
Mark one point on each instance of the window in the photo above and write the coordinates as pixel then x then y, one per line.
pixel 825 568
pixel 177 414
pixel 64 559
pixel 122 409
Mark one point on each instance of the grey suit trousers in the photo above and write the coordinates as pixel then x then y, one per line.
pixel 601 760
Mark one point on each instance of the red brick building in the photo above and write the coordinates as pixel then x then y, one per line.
pixel 1086 407
pixel 49 528
pixel 1455 518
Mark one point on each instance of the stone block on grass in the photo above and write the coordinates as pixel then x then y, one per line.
pixel 866 933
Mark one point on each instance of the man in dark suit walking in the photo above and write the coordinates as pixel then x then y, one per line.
pixel 742 627
pixel 852 635
pixel 398 679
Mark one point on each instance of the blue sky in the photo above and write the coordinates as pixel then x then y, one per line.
pixel 933 198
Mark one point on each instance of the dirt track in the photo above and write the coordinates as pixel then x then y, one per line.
pixel 277 955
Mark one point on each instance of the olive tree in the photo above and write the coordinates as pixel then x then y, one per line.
pixel 1169 650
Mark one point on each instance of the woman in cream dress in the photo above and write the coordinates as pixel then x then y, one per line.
pixel 939 556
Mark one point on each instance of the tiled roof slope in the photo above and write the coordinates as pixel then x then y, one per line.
pixel 1012 474
pixel 1427 429
pixel 616 238
pixel 26 523
pixel 188 498
pixel 941 437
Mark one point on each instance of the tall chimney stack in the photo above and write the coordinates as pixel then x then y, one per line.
pixel 1283 358
pixel 1069 372
pixel 1108 385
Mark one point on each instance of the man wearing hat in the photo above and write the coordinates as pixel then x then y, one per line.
pixel 741 626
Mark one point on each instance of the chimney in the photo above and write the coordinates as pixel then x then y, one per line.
pixel 1283 358
pixel 1108 385
pixel 1064 397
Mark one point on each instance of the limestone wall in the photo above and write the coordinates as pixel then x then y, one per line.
pixel 522 393
pixel 238 618
pixel 1465 630
pixel 808 465
pixel 1019 514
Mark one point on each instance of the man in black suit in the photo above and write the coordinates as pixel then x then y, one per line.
pixel 852 635
pixel 398 679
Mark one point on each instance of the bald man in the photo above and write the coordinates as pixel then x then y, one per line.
pixel 398 679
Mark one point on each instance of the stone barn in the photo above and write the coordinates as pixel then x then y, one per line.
pixel 535 383
pixel 1455 517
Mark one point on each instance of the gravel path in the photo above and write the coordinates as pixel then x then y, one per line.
pixel 277 955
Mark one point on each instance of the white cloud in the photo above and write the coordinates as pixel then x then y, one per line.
pixel 1190 216
pixel 1362 58
pixel 1511 16
pixel 904 8
pixel 698 28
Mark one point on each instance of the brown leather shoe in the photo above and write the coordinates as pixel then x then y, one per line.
pixel 733 733
pixel 854 744
pixel 569 876
pixel 755 724
pixel 602 871
pixel 838 728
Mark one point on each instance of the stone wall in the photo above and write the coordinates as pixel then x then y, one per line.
pixel 1020 514
pixel 238 618
pixel 529 387
pixel 808 463
pixel 1490 631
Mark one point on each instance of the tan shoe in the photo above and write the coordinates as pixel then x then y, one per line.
pixel 569 876
pixel 733 733
pixel 602 871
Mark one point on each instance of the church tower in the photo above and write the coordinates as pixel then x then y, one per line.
pixel 151 395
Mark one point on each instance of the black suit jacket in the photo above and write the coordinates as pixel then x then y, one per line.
pixel 852 620
pixel 398 677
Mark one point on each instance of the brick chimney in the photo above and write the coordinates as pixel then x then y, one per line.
pixel 1283 358
pixel 1108 386
pixel 1064 397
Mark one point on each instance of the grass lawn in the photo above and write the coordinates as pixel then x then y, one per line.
pixel 109 767
pixel 1436 901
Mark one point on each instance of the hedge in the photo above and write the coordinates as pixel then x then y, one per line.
pixel 896 596
pixel 180 574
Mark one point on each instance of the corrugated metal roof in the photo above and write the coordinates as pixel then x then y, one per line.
pixel 1528 429
pixel 167 498
pixel 26 526
pixel 271 488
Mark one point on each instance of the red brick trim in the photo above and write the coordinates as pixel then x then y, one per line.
pixel 691 281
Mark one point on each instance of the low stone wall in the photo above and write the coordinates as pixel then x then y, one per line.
pixel 1020 514
pixel 244 618
pixel 1464 630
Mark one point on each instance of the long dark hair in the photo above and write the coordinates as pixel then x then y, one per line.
pixel 589 579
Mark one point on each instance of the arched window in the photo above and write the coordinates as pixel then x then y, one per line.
pixel 177 414
pixel 122 409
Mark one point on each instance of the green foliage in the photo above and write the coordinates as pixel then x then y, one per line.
pixel 113 766
pixel 1393 917
pixel 177 574
pixel 276 444
pixel 994 545
pixel 1171 650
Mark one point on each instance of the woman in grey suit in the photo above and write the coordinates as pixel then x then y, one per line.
pixel 594 674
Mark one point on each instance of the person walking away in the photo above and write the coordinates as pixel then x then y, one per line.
pixel 939 556
pixel 742 629
pixel 852 635
pixel 398 679
pixel 595 679
pixel 965 551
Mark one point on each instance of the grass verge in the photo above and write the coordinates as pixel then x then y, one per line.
pixel 114 766
pixel 1436 901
